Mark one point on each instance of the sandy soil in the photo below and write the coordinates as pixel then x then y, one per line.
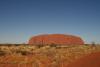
pixel 91 60
pixel 47 56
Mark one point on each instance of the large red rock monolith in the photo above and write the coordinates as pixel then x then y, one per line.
pixel 60 39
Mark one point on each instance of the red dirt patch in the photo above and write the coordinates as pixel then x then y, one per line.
pixel 91 60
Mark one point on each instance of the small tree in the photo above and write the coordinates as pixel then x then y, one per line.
pixel 53 45
pixel 93 43
pixel 40 45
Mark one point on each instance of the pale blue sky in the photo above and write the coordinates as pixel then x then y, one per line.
pixel 21 19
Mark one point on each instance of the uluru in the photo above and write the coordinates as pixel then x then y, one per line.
pixel 59 39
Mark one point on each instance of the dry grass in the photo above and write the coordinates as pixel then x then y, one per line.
pixel 46 56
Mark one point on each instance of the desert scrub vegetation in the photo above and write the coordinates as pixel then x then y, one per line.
pixel 45 56
pixel 2 53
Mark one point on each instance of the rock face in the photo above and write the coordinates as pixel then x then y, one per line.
pixel 60 39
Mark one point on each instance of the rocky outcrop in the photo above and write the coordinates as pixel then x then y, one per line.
pixel 60 39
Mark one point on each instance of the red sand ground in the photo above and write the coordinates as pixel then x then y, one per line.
pixel 92 60
pixel 40 60
pixel 59 39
